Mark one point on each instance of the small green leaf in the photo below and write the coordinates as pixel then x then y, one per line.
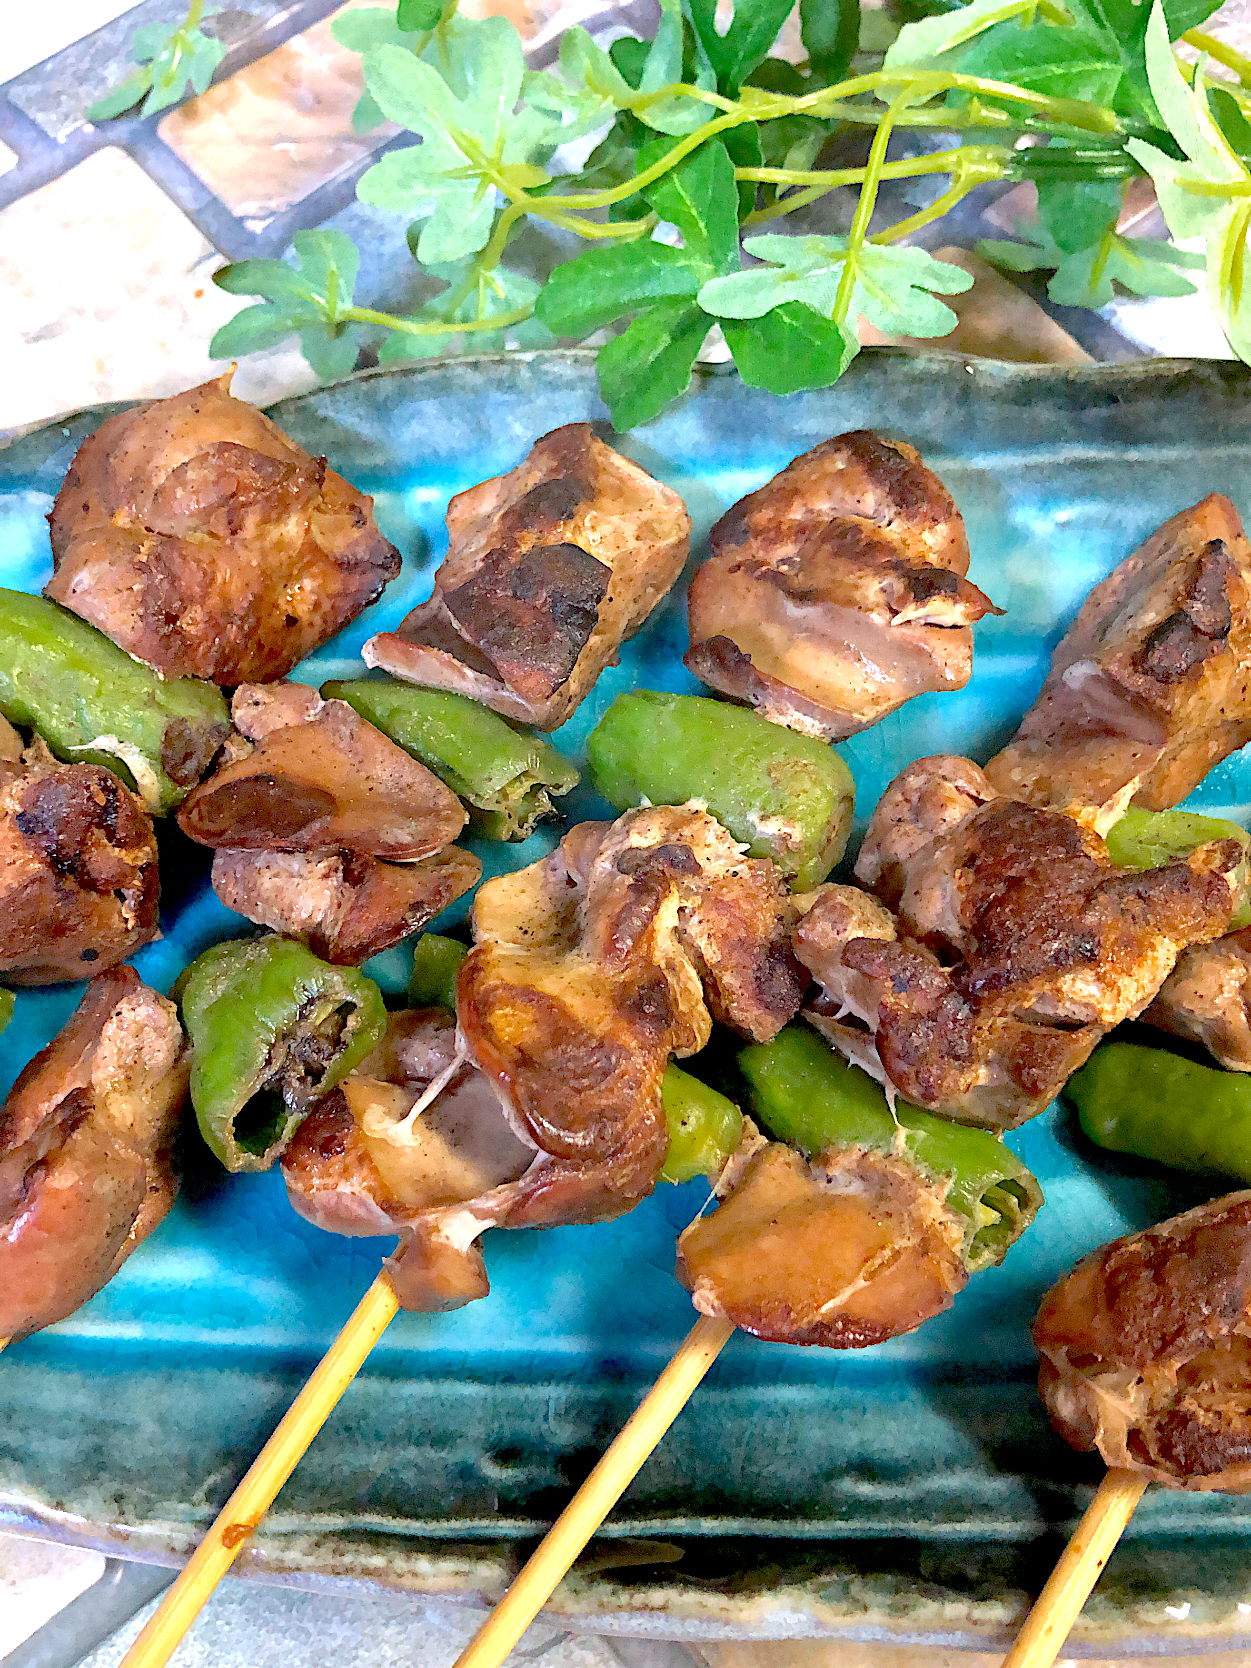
pixel 1018 257
pixel 328 256
pixel 367 27
pixel 1062 63
pixel 700 198
pixel 892 285
pixel 252 330
pixel 650 363
pixel 1089 277
pixel 331 351
pixel 662 68
pixel 753 30
pixel 932 37
pixel 831 34
pixel 592 290
pixel 413 15
pixel 275 280
pixel 790 349
pixel 1077 213
pixel 124 97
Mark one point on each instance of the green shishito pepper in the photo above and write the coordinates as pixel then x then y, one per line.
pixel 1150 839
pixel 1132 1098
pixel 785 796
pixel 89 700
pixel 506 777
pixel 436 962
pixel 272 1030
pixel 807 1095
pixel 6 1007
pixel 704 1127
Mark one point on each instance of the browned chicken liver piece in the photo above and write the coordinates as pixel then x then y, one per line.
pixel 1151 684
pixel 844 1251
pixel 1017 945
pixel 592 967
pixel 204 541
pixel 549 569
pixel 85 1136
pixel 79 888
pixel 439 1181
pixel 837 592
pixel 1145 1350
pixel 319 779
pixel 324 829
pixel 1207 999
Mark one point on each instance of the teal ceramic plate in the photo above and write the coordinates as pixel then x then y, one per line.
pixel 912 1489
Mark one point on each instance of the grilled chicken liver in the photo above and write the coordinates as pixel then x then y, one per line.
pixel 837 592
pixel 549 568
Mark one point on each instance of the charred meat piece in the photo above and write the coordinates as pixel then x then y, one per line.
pixel 1145 1350
pixel 592 967
pixel 369 1160
pixel 319 780
pixel 837 592
pixel 85 1138
pixel 1207 999
pixel 548 570
pixel 201 539
pixel 78 871
pixel 1151 684
pixel 324 829
pixel 1017 944
pixel 345 907
pixel 845 1250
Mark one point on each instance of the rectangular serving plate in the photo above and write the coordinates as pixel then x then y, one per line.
pixel 910 1491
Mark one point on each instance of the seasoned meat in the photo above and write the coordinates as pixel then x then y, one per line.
pixel 78 872
pixel 85 1138
pixel 592 967
pixel 837 592
pixel 1145 1350
pixel 320 779
pixel 205 542
pixel 1207 999
pixel 361 1163
pixel 848 1250
pixel 549 568
pixel 1151 684
pixel 1017 944
pixel 324 829
pixel 345 907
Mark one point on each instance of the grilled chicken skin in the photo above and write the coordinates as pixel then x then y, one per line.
pixel 1014 946
pixel 1151 684
pixel 324 829
pixel 204 541
pixel 549 569
pixel 85 1136
pixel 1145 1350
pixel 837 592
pixel 79 888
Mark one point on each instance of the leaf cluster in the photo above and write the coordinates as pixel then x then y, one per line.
pixel 169 64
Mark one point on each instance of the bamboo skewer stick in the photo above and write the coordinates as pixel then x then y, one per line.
pixel 268 1472
pixel 617 1468
pixel 1068 1587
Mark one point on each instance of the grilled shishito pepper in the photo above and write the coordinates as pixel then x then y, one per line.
pixel 273 1030
pixel 1150 839
pixel 436 962
pixel 1131 1098
pixel 90 701
pixel 808 1096
pixel 704 1127
pixel 507 777
pixel 786 796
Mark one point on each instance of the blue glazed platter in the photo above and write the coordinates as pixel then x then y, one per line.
pixel 910 1491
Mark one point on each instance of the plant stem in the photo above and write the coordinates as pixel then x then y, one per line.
pixel 864 210
pixel 1221 52
pixel 436 327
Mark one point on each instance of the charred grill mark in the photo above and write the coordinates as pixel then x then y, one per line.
pixel 279 804
pixel 187 753
pixel 669 858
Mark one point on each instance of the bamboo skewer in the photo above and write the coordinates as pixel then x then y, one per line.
pixel 1068 1587
pixel 268 1472
pixel 616 1470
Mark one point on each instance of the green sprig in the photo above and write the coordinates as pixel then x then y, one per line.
pixel 170 63
pixel 705 137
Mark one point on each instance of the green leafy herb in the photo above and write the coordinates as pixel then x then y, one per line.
pixel 170 63
pixel 702 140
